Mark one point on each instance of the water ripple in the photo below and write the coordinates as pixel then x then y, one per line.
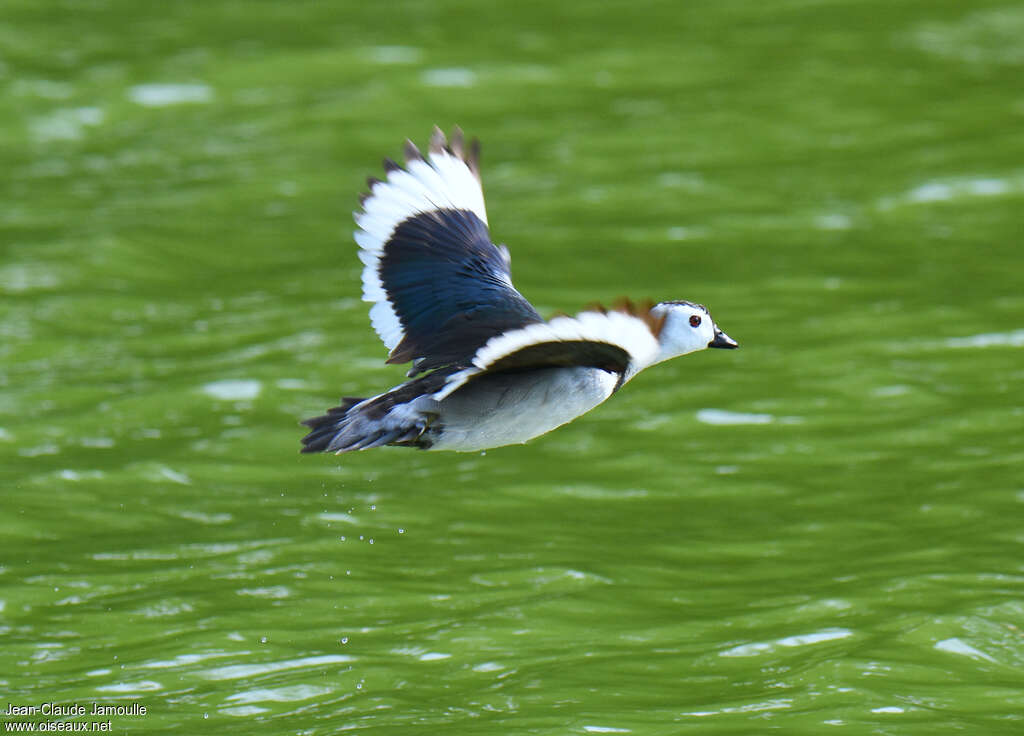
pixel 237 671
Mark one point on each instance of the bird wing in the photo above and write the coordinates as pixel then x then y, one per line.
pixel 440 288
pixel 617 341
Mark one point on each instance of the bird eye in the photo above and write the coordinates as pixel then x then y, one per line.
pixel 695 320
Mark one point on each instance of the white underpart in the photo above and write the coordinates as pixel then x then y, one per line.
pixel 615 328
pixel 516 407
pixel 442 181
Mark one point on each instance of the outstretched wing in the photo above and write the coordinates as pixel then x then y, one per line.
pixel 618 341
pixel 440 288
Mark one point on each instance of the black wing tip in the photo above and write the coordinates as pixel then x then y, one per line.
pixel 456 146
pixel 371 182
pixel 439 143
pixel 412 153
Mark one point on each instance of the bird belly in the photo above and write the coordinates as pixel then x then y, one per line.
pixel 511 408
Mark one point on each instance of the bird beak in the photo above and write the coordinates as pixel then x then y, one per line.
pixel 723 341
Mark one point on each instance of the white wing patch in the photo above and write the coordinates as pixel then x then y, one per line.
pixel 623 330
pixel 445 179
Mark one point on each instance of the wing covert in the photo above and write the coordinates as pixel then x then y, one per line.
pixel 615 341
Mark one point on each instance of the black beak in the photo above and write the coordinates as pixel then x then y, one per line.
pixel 723 341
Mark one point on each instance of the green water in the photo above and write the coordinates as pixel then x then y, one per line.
pixel 841 182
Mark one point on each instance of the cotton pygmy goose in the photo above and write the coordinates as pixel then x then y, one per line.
pixel 487 369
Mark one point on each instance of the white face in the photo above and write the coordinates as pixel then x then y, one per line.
pixel 688 328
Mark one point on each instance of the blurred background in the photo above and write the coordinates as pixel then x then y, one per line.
pixel 820 530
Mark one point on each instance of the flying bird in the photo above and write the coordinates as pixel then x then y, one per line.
pixel 487 369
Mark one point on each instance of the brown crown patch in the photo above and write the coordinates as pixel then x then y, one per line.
pixel 641 311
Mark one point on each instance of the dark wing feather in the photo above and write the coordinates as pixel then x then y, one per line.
pixel 441 289
pixel 450 287
pixel 563 353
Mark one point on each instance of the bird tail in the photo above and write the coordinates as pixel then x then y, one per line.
pixel 359 424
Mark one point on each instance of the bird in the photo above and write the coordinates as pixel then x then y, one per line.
pixel 487 370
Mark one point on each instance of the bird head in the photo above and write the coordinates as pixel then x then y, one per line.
pixel 687 328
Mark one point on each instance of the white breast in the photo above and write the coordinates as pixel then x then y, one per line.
pixel 511 408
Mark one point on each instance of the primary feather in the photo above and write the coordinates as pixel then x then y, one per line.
pixel 439 287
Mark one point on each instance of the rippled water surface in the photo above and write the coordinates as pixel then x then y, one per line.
pixel 823 530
